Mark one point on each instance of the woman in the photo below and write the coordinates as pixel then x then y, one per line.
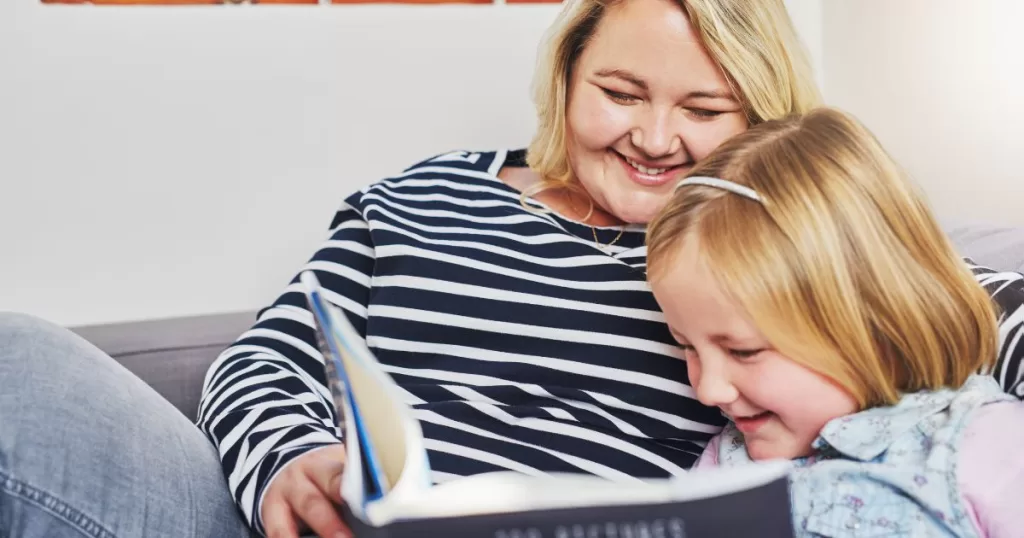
pixel 504 291
pixel 509 300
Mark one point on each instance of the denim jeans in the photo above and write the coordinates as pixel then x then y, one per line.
pixel 89 450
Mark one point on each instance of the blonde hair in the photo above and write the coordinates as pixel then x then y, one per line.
pixel 843 269
pixel 754 43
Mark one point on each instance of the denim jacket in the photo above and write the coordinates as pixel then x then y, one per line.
pixel 886 471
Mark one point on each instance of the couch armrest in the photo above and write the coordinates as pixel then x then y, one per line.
pixel 173 354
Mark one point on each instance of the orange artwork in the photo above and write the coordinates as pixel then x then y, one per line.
pixel 176 2
pixel 127 2
pixel 340 2
pixel 412 1
pixel 312 2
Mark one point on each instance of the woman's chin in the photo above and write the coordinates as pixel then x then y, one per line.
pixel 640 212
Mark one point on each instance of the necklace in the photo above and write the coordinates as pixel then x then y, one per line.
pixel 613 241
pixel 593 229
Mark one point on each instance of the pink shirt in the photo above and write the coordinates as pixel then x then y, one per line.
pixel 990 473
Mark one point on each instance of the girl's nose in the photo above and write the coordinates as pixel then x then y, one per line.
pixel 714 388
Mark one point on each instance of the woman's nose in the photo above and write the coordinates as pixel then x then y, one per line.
pixel 656 136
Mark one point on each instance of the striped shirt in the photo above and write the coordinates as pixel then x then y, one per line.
pixel 521 342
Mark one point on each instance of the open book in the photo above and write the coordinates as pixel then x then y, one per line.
pixel 388 491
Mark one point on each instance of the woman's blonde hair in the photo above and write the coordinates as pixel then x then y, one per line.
pixel 753 42
pixel 843 268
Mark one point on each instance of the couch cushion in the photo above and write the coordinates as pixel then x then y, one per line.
pixel 171 355
pixel 997 247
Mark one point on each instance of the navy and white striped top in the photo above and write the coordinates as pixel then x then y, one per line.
pixel 521 343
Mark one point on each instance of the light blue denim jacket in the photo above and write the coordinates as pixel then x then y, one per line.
pixel 887 471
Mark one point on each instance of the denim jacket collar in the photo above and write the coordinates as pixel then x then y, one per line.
pixel 866 435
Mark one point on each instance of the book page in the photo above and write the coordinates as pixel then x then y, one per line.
pixel 381 415
pixel 381 432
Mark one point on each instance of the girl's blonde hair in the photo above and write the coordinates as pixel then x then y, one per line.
pixel 753 42
pixel 843 268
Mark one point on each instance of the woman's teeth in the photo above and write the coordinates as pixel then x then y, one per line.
pixel 644 169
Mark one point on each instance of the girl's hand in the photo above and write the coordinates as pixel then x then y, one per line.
pixel 306 496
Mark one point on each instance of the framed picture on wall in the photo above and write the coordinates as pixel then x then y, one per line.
pixel 295 2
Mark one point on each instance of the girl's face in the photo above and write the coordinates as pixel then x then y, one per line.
pixel 645 102
pixel 778 405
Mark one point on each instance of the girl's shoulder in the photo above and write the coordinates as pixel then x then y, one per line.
pixel 994 423
pixel 991 467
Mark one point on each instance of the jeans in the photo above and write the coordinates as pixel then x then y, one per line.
pixel 89 450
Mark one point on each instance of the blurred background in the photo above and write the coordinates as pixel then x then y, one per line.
pixel 160 161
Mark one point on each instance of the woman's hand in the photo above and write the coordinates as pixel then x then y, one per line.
pixel 306 496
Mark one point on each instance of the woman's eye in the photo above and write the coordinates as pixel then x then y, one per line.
pixel 744 353
pixel 619 97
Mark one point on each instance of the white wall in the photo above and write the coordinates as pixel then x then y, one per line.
pixel 185 160
pixel 807 16
pixel 941 82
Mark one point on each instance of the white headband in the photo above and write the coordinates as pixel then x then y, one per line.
pixel 724 184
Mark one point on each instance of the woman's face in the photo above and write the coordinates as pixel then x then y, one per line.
pixel 645 102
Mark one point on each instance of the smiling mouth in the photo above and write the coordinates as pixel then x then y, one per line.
pixel 646 170
pixel 751 423
pixel 651 171
pixel 752 417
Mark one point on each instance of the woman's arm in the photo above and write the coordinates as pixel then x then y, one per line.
pixel 265 400
pixel 1007 290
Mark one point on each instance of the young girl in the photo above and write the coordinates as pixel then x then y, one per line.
pixel 820 307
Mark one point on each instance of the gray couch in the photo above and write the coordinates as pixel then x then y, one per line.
pixel 172 355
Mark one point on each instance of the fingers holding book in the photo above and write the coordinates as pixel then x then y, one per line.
pixel 306 496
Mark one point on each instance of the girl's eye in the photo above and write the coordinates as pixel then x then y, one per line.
pixel 704 113
pixel 619 97
pixel 744 353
